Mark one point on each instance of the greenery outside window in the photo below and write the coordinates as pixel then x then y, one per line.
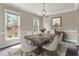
pixel 12 26
pixel 36 25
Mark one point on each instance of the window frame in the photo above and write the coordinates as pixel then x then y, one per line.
pixel 5 19
pixel 33 24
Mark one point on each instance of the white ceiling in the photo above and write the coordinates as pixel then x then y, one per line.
pixel 51 8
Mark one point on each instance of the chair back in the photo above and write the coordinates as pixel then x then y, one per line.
pixel 24 44
pixel 29 33
pixel 60 37
pixel 53 45
pixel 23 40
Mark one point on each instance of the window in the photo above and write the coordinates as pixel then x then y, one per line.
pixel 36 25
pixel 12 26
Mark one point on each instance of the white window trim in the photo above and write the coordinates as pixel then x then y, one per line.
pixel 5 20
pixel 11 11
pixel 33 24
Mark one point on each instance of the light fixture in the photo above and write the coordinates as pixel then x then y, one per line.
pixel 44 13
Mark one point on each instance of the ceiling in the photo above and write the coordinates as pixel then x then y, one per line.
pixel 51 8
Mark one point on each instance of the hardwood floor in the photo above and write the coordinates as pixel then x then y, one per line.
pixel 4 52
pixel 70 52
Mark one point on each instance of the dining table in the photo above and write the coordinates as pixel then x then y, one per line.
pixel 39 40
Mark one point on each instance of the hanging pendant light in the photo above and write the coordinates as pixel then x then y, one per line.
pixel 44 13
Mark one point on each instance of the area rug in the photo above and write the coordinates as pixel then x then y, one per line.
pixel 61 51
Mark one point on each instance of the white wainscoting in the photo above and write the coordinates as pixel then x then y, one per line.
pixel 1 38
pixel 77 38
pixel 4 43
pixel 71 35
pixel 77 34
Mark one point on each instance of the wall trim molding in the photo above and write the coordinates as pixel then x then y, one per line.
pixel 2 33
pixel 71 31
pixel 31 31
pixel 68 30
pixel 12 11
pixel 60 30
pixel 29 11
pixel 77 34
pixel 64 11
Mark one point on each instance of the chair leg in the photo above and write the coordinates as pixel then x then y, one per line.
pixel 26 53
pixel 56 52
pixel 21 53
pixel 42 53
pixel 9 54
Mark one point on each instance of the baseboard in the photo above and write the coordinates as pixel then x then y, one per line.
pixel 8 46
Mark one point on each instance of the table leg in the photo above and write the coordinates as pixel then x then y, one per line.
pixel 39 49
pixel 78 50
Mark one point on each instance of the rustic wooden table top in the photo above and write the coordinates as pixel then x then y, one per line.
pixel 38 39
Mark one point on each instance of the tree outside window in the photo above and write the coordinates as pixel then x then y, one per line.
pixel 35 25
pixel 12 26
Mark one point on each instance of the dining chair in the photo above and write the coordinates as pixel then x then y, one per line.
pixel 60 43
pixel 52 46
pixel 25 46
pixel 60 38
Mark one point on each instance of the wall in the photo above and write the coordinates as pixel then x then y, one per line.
pixel 1 18
pixel 78 22
pixel 26 23
pixel 78 25
pixel 68 24
pixel 68 20
pixel 26 18
pixel 1 25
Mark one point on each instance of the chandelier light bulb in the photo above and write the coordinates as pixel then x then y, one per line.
pixel 44 13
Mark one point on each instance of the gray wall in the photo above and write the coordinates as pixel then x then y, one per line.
pixel 1 18
pixel 1 25
pixel 26 18
pixel 78 25
pixel 78 21
pixel 68 20
pixel 69 24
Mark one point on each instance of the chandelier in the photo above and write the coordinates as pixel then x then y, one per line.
pixel 44 13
